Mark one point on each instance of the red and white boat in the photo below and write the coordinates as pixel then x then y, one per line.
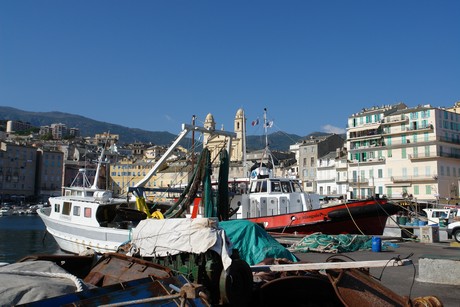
pixel 280 205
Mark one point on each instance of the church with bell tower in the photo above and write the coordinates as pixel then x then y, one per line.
pixel 216 143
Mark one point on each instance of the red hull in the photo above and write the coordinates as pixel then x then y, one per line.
pixel 361 217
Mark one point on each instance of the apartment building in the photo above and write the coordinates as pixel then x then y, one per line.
pixel 307 153
pixel 50 166
pixel 332 174
pixel 404 152
pixel 17 170
pixel 128 172
pixel 15 126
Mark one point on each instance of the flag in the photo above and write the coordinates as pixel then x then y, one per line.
pixel 255 122
pixel 269 124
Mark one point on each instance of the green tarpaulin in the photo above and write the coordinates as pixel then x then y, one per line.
pixel 253 243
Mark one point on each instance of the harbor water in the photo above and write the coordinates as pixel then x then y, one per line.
pixel 24 235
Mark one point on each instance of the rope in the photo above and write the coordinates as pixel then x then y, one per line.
pixel 76 280
pixel 353 220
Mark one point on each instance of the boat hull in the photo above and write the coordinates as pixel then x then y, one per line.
pixel 362 217
pixel 76 239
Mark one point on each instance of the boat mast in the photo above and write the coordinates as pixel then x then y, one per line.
pixel 267 149
pixel 193 142
pixel 99 163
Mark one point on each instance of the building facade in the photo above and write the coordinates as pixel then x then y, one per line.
pixel 404 152
pixel 18 166
pixel 50 167
pixel 308 152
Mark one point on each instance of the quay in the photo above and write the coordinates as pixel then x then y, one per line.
pixel 433 263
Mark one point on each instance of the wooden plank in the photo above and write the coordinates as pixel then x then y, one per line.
pixel 330 265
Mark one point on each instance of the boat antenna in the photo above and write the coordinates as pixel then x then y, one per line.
pixel 99 162
pixel 267 149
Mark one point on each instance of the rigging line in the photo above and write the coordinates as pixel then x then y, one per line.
pixel 354 222
pixel 407 232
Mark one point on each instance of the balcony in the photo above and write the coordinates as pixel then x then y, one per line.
pixel 395 119
pixel 449 140
pixel 419 129
pixel 422 156
pixel 408 179
pixel 367 161
pixel 450 155
pixel 358 182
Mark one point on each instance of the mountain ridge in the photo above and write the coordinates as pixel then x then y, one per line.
pixel 89 127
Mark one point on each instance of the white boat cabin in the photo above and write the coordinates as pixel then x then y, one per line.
pixel 440 216
pixel 274 196
pixel 88 207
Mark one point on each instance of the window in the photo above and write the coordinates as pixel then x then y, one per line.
pixel 275 186
pixel 87 212
pixel 389 191
pixel 380 173
pixel 388 140
pixel 286 187
pixel 427 170
pixel 57 208
pixel 403 153
pixel 415 152
pixel 66 207
pixel 389 153
pixel 427 151
pixel 416 190
pixel 76 210
pixel 428 189
pixel 312 161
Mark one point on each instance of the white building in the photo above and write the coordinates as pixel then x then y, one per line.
pixel 404 152
pixel 332 174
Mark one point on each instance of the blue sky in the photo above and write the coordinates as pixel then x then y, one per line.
pixel 153 64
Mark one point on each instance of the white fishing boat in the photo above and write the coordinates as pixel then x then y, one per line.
pixel 87 217
pixel 6 211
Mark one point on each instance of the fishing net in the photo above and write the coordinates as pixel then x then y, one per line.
pixel 324 243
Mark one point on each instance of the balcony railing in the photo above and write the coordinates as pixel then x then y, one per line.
pixel 358 182
pixel 395 119
pixel 449 140
pixel 399 179
pixel 423 155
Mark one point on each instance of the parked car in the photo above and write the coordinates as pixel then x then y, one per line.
pixel 453 230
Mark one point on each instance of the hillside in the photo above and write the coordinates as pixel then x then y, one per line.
pixel 89 127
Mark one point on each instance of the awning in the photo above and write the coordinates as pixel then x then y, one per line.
pixel 365 127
